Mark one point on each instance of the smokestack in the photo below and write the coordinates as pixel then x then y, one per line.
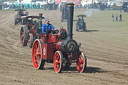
pixel 40 20
pixel 70 11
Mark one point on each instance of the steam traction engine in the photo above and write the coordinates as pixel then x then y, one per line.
pixel 80 24
pixel 31 31
pixel 58 47
pixel 20 13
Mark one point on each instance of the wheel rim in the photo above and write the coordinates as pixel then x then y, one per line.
pixel 36 54
pixel 29 40
pixel 81 62
pixel 21 36
pixel 58 61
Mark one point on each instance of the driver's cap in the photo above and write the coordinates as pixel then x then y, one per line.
pixel 46 19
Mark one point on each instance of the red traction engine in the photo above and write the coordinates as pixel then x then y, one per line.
pixel 59 48
pixel 31 31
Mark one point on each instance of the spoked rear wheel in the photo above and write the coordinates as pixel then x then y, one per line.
pixel 30 40
pixel 81 63
pixel 23 36
pixel 38 62
pixel 58 61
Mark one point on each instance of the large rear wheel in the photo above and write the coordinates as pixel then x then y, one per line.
pixel 30 40
pixel 38 62
pixel 81 62
pixel 24 36
pixel 58 61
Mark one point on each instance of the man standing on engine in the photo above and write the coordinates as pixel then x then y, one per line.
pixel 47 26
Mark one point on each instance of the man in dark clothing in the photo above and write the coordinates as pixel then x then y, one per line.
pixel 121 17
pixel 112 17
pixel 116 17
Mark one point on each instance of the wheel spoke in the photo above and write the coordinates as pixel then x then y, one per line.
pixel 38 50
pixel 22 36
pixel 57 66
pixel 81 61
pixel 57 61
pixel 81 65
pixel 35 47
pixel 58 57
pixel 78 66
pixel 38 54
pixel 37 60
pixel 36 63
pixel 35 50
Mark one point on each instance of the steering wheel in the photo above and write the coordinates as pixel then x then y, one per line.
pixel 54 31
pixel 51 31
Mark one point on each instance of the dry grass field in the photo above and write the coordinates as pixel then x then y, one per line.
pixel 105 44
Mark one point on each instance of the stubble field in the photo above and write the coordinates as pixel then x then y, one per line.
pixel 105 44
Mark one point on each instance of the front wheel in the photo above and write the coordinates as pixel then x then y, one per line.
pixel 58 61
pixel 81 63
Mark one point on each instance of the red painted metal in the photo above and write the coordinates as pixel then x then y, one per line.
pixel 33 30
pixel 44 38
pixel 58 45
pixel 53 38
pixel 48 51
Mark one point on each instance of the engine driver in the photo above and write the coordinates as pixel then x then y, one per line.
pixel 47 26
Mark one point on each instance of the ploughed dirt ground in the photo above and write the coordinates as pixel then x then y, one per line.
pixel 105 44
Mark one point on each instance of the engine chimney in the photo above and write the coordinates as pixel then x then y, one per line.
pixel 70 11
pixel 69 45
pixel 40 20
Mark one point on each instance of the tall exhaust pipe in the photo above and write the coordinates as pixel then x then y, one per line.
pixel 40 20
pixel 70 12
